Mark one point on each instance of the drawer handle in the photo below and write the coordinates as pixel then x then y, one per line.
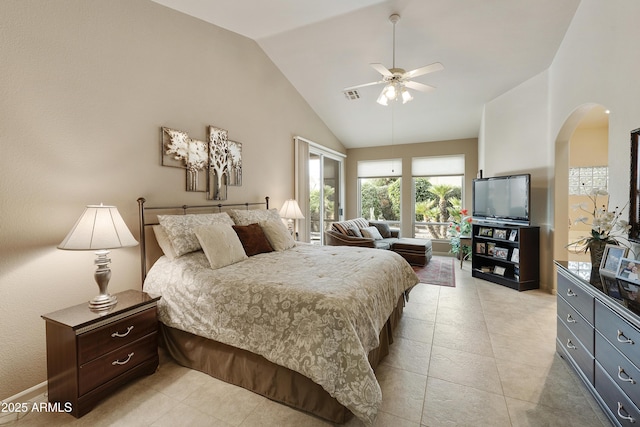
pixel 570 319
pixel 623 339
pixel 625 417
pixel 570 345
pixel 570 293
pixel 117 362
pixel 627 378
pixel 119 335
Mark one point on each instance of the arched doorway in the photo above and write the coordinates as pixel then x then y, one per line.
pixel 581 159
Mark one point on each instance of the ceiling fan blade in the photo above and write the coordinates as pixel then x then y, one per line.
pixel 436 66
pixel 382 70
pixel 419 86
pixel 359 86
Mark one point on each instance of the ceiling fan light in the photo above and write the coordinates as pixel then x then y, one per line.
pixel 406 96
pixel 382 99
pixel 390 92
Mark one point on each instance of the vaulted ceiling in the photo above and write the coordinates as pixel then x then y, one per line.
pixel 486 46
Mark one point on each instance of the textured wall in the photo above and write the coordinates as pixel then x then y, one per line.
pixel 84 88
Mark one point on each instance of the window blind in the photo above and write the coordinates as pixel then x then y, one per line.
pixel 379 168
pixel 437 165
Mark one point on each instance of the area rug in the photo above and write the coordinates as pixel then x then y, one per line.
pixel 439 271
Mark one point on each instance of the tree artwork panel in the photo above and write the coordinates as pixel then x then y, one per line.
pixel 179 150
pixel 234 174
pixel 218 163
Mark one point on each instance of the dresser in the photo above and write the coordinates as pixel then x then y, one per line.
pixel 600 339
pixel 90 354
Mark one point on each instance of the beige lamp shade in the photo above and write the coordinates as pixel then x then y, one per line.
pixel 99 227
pixel 291 210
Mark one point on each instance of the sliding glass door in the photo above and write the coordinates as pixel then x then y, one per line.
pixel 319 188
pixel 324 194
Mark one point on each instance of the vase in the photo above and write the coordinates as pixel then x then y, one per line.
pixel 596 251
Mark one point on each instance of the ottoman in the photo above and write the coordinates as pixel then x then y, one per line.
pixel 415 251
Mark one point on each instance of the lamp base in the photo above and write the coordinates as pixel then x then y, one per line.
pixel 103 302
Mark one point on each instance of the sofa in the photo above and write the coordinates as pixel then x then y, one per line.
pixel 374 234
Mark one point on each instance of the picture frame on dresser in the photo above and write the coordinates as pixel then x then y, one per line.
pixel 629 271
pixel 611 257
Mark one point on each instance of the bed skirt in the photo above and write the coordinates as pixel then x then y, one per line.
pixel 255 373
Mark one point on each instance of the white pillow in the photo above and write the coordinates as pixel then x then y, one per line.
pixel 247 217
pixel 277 234
pixel 220 244
pixel 179 229
pixel 371 233
pixel 164 242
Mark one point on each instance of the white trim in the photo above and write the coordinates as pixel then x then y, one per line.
pixel 323 148
pixel 28 394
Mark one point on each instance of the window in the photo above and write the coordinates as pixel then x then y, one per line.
pixel 379 190
pixel 437 189
pixel 583 180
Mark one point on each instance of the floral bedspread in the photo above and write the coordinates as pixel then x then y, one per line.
pixel 317 310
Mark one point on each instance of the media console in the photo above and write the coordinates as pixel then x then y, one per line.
pixel 506 254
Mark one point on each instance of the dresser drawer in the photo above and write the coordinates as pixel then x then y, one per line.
pixel 619 332
pixel 619 368
pixel 576 324
pixel 577 297
pixel 100 341
pixel 572 346
pixel 623 409
pixel 104 368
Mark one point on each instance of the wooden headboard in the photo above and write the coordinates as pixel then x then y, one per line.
pixel 148 216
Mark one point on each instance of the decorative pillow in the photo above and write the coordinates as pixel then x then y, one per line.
pixel 246 217
pixel 383 228
pixel 354 231
pixel 277 234
pixel 343 226
pixel 253 239
pixel 371 233
pixel 179 229
pixel 164 242
pixel 220 244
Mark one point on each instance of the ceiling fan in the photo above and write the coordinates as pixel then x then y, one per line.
pixel 397 79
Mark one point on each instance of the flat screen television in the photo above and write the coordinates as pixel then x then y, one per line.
pixel 502 198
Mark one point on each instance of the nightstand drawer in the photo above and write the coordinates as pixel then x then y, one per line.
pixel 577 297
pixel 101 370
pixel 117 334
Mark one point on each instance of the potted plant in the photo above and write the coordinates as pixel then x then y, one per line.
pixel 606 228
pixel 460 225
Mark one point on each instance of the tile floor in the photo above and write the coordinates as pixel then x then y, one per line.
pixel 475 355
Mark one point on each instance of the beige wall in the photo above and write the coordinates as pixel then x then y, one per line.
pixel 468 147
pixel 84 88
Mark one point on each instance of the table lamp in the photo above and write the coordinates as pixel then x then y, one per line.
pixel 100 228
pixel 290 211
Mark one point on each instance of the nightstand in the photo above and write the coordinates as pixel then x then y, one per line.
pixel 90 354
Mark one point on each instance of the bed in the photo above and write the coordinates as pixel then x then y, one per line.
pixel 304 325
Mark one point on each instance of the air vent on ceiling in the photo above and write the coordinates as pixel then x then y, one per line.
pixel 351 94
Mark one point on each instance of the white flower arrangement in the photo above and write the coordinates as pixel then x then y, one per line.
pixel 606 226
